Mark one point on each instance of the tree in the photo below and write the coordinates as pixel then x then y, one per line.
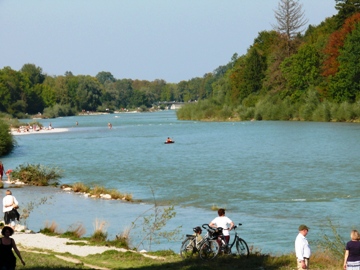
pixel 290 18
pixel 7 141
pixel 346 9
pixel 301 69
pixel 34 73
pixel 105 77
pixel 345 85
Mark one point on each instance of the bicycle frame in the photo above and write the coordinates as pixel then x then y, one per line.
pixel 241 246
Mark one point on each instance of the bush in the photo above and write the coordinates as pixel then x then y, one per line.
pixel 59 110
pixel 75 231
pixel 37 175
pixel 7 141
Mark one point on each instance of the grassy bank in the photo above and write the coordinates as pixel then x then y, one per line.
pixel 168 260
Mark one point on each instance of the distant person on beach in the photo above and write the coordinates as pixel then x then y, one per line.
pixel 77 123
pixel 352 252
pixel 302 248
pixel 223 222
pixel 7 244
pixel 50 126
pixel 10 204
pixel 8 174
pixel 1 170
pixel 110 125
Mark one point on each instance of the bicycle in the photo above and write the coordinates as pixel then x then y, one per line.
pixel 207 247
pixel 242 248
pixel 191 245
pixel 210 247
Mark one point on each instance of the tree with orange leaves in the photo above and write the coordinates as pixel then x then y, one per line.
pixel 336 42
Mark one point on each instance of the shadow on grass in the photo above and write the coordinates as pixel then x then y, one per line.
pixel 257 262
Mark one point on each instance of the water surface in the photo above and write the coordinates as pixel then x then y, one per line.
pixel 269 175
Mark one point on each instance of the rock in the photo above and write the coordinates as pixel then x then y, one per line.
pixel 105 196
pixel 20 228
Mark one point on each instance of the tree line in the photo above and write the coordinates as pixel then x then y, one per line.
pixel 284 75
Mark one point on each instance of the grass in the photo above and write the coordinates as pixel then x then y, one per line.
pixel 96 191
pixel 167 259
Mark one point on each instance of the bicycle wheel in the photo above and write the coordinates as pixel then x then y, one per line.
pixel 209 250
pixel 242 248
pixel 188 248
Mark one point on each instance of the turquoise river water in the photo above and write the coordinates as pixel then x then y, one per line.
pixel 270 175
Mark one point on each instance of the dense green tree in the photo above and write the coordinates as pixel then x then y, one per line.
pixel 346 8
pixel 13 86
pixel 34 73
pixel 345 85
pixel 88 93
pixel 301 69
pixel 6 139
pixel 105 77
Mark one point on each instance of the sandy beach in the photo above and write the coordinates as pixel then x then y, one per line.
pixel 16 132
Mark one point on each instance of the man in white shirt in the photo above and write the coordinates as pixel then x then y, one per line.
pixel 9 202
pixel 302 248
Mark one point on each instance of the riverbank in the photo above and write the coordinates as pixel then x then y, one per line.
pixel 47 252
pixel 17 132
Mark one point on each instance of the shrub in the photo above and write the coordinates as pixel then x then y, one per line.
pixel 37 175
pixel 99 234
pixel 76 230
pixel 97 190
pixel 50 229
pixel 7 141
pixel 333 243
pixel 80 187
pixel 59 110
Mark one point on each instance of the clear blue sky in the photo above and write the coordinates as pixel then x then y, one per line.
pixel 172 40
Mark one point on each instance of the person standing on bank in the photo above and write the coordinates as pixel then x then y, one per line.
pixel 1 170
pixel 352 252
pixel 302 248
pixel 223 222
pixel 10 214
pixel 7 258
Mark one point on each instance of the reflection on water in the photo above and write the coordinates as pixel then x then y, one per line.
pixel 266 174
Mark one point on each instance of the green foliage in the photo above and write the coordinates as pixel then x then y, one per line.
pixel 269 82
pixel 37 175
pixel 332 243
pixel 345 85
pixel 7 141
pixel 59 110
pixel 153 225
pixel 26 211
pixel 301 69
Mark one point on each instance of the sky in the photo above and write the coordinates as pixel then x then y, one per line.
pixel 172 40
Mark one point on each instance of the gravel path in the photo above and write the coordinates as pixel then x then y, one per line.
pixel 57 244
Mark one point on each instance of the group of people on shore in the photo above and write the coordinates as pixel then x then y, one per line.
pixel 7 244
pixel 302 247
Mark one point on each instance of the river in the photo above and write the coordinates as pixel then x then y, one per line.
pixel 271 176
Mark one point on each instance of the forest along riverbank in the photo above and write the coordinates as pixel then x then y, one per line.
pixel 256 170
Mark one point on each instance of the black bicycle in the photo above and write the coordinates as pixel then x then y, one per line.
pixel 242 248
pixel 206 247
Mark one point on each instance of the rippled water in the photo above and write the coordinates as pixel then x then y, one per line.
pixel 270 176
